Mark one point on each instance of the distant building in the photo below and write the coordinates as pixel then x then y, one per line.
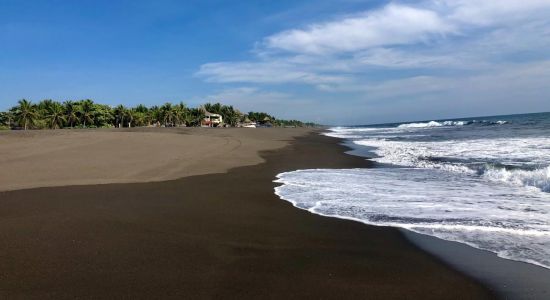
pixel 247 123
pixel 266 122
pixel 211 120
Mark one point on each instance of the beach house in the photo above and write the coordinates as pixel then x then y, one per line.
pixel 211 120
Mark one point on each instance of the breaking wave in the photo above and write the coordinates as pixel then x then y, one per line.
pixel 450 123
pixel 507 220
pixel 518 161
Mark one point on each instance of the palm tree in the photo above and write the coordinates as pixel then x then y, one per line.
pixel 130 117
pixel 103 115
pixel 168 114
pixel 154 115
pixel 26 113
pixel 71 112
pixel 230 115
pixel 141 108
pixel 180 113
pixel 87 111
pixel 55 115
pixel 207 107
pixel 44 105
pixel 215 108
pixel 6 118
pixel 197 115
pixel 120 113
pixel 140 119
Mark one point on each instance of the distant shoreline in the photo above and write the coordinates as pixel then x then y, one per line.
pixel 51 114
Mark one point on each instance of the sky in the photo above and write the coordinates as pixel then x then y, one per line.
pixel 343 62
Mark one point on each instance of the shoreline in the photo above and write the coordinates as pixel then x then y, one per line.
pixel 507 278
pixel 216 235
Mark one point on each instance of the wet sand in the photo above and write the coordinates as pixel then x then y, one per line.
pixel 224 235
pixel 509 279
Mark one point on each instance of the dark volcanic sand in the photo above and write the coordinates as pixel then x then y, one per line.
pixel 211 236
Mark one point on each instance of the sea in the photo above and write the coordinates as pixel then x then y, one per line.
pixel 482 181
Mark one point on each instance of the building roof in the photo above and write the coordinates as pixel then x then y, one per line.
pixel 209 114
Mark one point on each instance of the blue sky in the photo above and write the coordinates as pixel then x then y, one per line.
pixel 334 62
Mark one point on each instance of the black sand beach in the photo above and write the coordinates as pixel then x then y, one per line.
pixel 210 236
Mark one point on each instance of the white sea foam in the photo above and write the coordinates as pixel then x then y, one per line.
pixel 449 123
pixel 508 220
pixel 356 132
pixel 472 156
pixel 522 161
pixel 539 178
pixel 433 124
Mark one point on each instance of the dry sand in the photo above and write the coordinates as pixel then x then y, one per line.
pixel 75 157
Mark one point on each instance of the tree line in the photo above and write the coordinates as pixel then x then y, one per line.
pixel 50 114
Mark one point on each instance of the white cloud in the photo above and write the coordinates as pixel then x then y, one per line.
pixel 394 58
pixel 397 87
pixel 262 72
pixel 393 25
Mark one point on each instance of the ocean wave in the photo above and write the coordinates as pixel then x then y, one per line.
pixel 507 220
pixel 538 178
pixel 486 122
pixel 432 124
pixel 516 161
pixel 358 132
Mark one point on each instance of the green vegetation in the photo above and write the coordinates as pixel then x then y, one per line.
pixel 49 114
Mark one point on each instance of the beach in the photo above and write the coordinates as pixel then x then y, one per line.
pixel 172 213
